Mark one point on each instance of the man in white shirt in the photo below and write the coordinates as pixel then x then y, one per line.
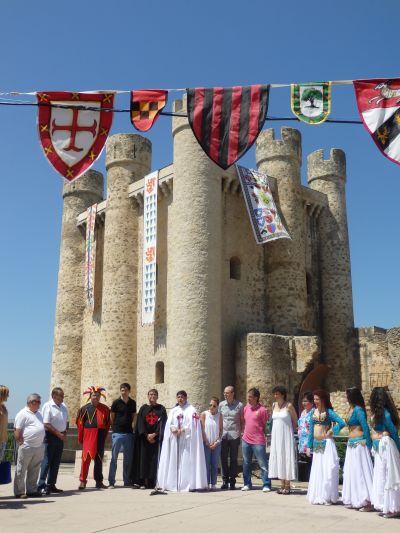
pixel 29 434
pixel 56 424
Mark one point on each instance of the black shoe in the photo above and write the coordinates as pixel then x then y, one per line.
pixel 34 494
pixel 225 486
pixel 55 490
pixel 232 486
pixel 46 491
pixel 101 485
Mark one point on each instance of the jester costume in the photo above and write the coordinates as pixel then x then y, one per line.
pixel 93 423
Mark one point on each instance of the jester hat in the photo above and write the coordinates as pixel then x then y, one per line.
pixel 93 389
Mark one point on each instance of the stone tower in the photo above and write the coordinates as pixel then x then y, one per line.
pixel 194 269
pixel 329 177
pixel 67 351
pixel 286 273
pixel 128 158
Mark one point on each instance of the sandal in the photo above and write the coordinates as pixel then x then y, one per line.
pixel 281 491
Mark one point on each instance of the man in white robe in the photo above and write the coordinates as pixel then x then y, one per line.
pixel 182 464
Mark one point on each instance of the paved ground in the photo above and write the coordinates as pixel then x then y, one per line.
pixel 128 510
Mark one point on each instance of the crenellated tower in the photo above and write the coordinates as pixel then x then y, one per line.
pixel 285 259
pixel 329 178
pixel 128 159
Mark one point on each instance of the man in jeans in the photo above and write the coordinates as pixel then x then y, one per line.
pixel 123 413
pixel 232 414
pixel 254 441
pixel 56 423
pixel 29 435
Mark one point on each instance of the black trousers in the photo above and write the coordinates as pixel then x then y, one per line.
pixel 229 455
pixel 51 460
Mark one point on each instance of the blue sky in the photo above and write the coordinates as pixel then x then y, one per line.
pixel 127 45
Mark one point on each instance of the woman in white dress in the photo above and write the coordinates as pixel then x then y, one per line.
pixel 386 445
pixel 324 477
pixel 282 457
pixel 358 469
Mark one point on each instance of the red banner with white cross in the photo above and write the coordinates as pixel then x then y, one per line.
pixel 73 129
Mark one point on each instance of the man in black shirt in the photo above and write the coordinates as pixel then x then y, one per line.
pixel 122 417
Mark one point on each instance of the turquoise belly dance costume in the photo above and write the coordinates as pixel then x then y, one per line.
pixel 323 419
pixel 358 418
pixel 386 425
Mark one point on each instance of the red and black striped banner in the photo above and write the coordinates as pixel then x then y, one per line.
pixel 227 121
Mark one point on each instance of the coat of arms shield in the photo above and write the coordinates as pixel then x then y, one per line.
pixel 311 102
pixel 73 129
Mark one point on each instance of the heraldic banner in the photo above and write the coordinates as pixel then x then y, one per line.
pixel 311 102
pixel 149 273
pixel 73 138
pixel 378 103
pixel 265 220
pixel 90 255
pixel 146 107
pixel 227 121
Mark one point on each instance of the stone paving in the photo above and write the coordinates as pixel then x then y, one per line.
pixel 128 510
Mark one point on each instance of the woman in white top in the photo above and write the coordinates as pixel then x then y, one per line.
pixel 282 457
pixel 212 426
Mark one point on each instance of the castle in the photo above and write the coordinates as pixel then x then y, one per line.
pixel 228 310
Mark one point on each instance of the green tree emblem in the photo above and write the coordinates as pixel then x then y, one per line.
pixel 310 95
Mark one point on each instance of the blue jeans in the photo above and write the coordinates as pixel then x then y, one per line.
pixel 125 442
pixel 262 460
pixel 212 458
pixel 51 461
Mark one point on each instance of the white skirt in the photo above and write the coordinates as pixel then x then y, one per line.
pixel 385 499
pixel 282 456
pixel 357 476
pixel 324 476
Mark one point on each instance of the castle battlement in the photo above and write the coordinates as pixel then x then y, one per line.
pixel 333 168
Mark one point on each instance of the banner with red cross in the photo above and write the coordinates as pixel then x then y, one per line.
pixel 146 107
pixel 73 138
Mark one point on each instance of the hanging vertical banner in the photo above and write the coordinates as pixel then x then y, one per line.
pixel 149 274
pixel 90 255
pixel 265 220
pixel 378 103
pixel 311 102
pixel 227 120
pixel 73 138
pixel 146 107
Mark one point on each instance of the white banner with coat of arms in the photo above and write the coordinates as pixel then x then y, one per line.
pixel 149 275
pixel 264 217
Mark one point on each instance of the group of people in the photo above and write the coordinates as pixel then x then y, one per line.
pixel 182 451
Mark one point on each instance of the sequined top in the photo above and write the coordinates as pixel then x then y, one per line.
pixel 387 425
pixel 324 419
pixel 358 418
pixel 303 430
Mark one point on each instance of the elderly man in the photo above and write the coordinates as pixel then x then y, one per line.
pixel 93 423
pixel 56 423
pixel 232 414
pixel 29 434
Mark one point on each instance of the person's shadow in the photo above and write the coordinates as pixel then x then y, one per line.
pixel 10 502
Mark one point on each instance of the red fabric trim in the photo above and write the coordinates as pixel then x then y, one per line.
pixel 235 123
pixel 198 112
pixel 254 112
pixel 216 123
